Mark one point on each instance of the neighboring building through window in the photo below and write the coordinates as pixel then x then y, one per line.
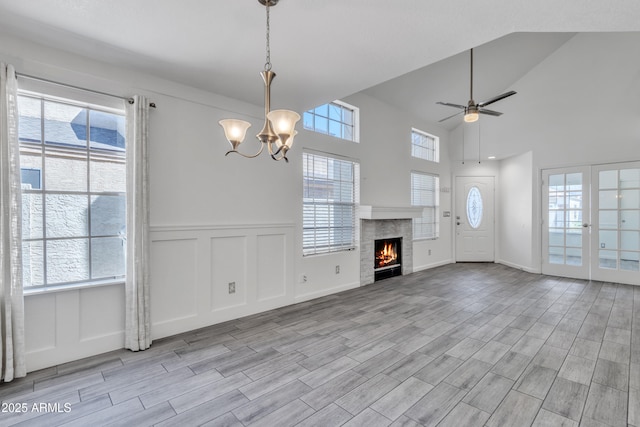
pixel 331 194
pixel 425 192
pixel 73 192
pixel 425 146
pixel 335 118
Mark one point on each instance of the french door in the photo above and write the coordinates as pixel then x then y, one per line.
pixel 591 223
pixel 566 226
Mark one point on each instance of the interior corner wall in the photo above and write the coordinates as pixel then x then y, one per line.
pixel 576 107
pixel 516 212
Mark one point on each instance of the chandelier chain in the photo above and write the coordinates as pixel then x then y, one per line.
pixel 267 65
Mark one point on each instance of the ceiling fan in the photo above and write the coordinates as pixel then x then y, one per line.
pixel 472 109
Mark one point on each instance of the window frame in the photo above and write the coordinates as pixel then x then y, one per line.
pixel 89 154
pixel 435 150
pixel 341 245
pixel 434 208
pixel 355 125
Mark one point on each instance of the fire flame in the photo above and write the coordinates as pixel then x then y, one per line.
pixel 387 255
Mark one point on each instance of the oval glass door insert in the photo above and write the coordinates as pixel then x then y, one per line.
pixel 474 207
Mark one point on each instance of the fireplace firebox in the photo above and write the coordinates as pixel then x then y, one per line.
pixel 388 258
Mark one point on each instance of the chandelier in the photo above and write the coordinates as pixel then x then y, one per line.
pixel 278 130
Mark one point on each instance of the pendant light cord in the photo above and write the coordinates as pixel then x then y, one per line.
pixel 267 65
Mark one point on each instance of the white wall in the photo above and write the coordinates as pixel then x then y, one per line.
pixel 217 219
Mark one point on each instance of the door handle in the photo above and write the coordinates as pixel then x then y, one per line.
pixel 458 223
pixel 585 225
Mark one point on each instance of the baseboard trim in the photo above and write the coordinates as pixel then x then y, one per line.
pixel 432 265
pixel 325 292
pixel 518 266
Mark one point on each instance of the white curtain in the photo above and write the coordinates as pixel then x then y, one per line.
pixel 138 319
pixel 12 362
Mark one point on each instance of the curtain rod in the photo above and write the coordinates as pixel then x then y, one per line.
pixel 129 100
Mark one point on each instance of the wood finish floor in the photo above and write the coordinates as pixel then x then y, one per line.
pixel 459 345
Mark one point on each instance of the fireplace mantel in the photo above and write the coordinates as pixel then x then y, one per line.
pixel 389 212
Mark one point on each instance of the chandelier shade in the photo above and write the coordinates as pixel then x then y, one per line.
pixel 234 130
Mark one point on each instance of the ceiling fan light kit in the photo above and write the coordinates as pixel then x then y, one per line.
pixel 283 121
pixel 472 110
pixel 471 114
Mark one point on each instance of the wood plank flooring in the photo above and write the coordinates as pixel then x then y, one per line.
pixel 458 345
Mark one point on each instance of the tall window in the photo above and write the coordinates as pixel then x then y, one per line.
pixel 425 146
pixel 424 192
pixel 73 183
pixel 335 118
pixel 330 196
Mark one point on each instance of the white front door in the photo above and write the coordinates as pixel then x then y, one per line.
pixel 474 219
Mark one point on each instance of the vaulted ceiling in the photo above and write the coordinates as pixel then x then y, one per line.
pixel 322 50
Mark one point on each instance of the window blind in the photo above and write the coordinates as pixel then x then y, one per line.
pixel 330 197
pixel 424 192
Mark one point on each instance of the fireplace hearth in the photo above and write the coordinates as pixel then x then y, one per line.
pixel 387 258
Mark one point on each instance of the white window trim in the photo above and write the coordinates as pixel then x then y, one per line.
pixel 60 93
pixel 356 121
pixel 436 143
pixel 436 206
pixel 356 189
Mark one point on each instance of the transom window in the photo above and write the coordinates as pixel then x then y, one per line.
pixel 335 118
pixel 425 146
pixel 72 160
pixel 425 192
pixel 331 194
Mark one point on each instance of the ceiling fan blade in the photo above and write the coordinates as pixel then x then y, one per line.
pixel 489 112
pixel 496 98
pixel 452 105
pixel 453 115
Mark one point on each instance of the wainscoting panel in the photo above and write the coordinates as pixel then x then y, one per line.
pixel 174 275
pixel 271 267
pixel 70 324
pixel 40 322
pixel 98 319
pixel 193 268
pixel 228 272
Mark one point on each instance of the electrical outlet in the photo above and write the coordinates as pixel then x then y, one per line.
pixel 303 278
pixel 232 287
pixel 337 269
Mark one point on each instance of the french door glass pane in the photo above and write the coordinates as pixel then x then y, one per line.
pixel 630 220
pixel 574 256
pixel 630 240
pixel 608 259
pixel 556 255
pixel 630 178
pixel 630 199
pixel 608 179
pixel 608 199
pixel 630 261
pixel 608 239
